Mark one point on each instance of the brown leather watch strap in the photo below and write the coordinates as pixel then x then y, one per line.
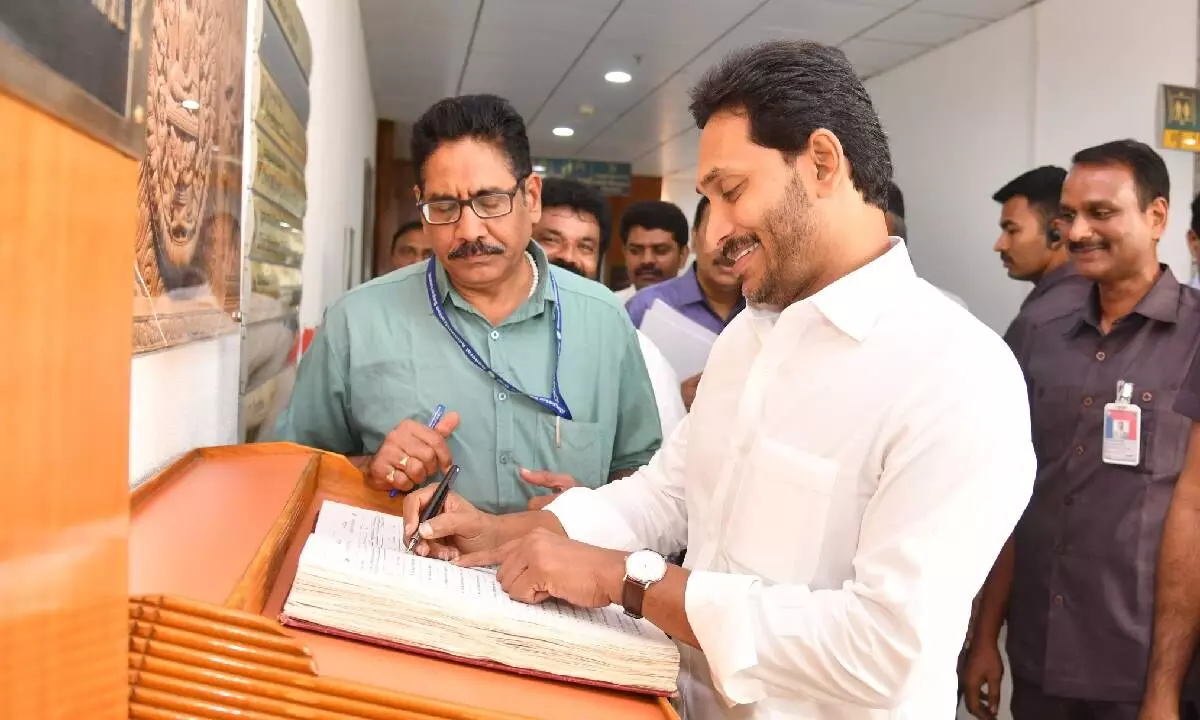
pixel 632 595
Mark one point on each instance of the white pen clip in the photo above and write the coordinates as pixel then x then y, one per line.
pixel 557 431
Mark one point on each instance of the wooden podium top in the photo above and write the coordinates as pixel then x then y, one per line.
pixel 224 526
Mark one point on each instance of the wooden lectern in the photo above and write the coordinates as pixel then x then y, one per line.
pixel 213 546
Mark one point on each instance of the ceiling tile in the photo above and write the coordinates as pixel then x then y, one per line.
pixel 872 56
pixel 925 28
pixel 827 21
pixel 986 9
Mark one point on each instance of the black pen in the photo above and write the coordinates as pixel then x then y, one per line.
pixel 435 505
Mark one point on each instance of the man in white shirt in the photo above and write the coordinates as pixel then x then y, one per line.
pixel 858 450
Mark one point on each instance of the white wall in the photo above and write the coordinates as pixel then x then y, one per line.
pixel 1030 90
pixel 341 138
pixel 181 399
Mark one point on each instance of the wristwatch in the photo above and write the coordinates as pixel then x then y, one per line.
pixel 642 569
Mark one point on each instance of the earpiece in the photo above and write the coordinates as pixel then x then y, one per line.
pixel 1053 236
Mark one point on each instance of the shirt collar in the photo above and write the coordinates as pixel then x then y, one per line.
pixel 854 302
pixel 1161 303
pixel 541 293
pixel 689 291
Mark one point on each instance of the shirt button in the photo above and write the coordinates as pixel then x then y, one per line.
pixel 503 458
pixel 1147 396
pixel 1100 356
pixel 502 396
pixel 1078 450
pixel 1087 402
pixel 495 334
pixel 1058 600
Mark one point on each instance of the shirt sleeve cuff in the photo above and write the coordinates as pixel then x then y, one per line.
pixel 720 609
pixel 588 517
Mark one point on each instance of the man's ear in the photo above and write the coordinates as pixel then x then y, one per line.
pixel 828 159
pixel 1157 214
pixel 533 197
pixel 417 193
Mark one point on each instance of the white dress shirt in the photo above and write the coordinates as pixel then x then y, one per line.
pixel 665 382
pixel 849 471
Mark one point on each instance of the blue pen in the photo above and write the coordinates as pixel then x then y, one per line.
pixel 433 421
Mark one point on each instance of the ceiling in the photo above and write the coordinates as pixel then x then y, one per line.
pixel 549 57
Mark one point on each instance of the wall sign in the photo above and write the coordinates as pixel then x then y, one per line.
pixel 1179 122
pixel 611 179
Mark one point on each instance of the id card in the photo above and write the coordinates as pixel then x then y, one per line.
pixel 1122 444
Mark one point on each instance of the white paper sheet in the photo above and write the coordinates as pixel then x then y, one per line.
pixel 684 343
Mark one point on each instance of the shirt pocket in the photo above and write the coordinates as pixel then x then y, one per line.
pixel 573 447
pixel 1164 432
pixel 779 485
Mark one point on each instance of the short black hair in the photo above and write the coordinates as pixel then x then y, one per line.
pixel 787 89
pixel 895 200
pixel 701 208
pixel 405 228
pixel 581 198
pixel 656 215
pixel 486 118
pixel 1042 189
pixel 1196 214
pixel 1149 171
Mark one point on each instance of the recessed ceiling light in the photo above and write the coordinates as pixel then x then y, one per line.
pixel 190 104
pixel 539 168
pixel 563 131
pixel 284 225
pixel 617 76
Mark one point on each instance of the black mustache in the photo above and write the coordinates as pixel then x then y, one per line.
pixel 654 270
pixel 1005 257
pixel 1081 246
pixel 734 245
pixel 472 248
pixel 565 265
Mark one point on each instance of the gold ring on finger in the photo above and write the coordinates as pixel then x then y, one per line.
pixel 404 462
pixel 391 476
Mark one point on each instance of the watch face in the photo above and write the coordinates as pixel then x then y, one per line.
pixel 646 566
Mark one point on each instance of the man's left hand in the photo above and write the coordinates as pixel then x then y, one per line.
pixel 557 482
pixel 543 565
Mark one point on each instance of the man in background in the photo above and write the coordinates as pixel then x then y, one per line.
pixel 574 231
pixel 410 246
pixel 709 293
pixel 654 237
pixel 1076 579
pixel 1030 245
pixel 1193 243
pixel 897 227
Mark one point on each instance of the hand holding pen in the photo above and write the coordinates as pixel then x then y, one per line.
pixel 412 453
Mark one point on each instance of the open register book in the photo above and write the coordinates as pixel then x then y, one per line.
pixel 355 580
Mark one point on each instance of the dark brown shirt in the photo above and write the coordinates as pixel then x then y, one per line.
pixel 1058 291
pixel 1083 588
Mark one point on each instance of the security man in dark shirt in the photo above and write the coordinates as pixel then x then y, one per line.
pixel 1076 580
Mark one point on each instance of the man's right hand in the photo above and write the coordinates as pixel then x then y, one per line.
pixel 410 453
pixel 459 529
pixel 984 667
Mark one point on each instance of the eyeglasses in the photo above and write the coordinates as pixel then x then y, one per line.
pixel 485 207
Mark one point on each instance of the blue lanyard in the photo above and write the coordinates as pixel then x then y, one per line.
pixel 555 403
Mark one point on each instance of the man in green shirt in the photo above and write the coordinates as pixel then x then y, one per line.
pixel 539 369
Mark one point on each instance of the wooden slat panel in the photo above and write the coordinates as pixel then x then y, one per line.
pixel 66 243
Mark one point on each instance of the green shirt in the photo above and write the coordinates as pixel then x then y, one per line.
pixel 381 356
